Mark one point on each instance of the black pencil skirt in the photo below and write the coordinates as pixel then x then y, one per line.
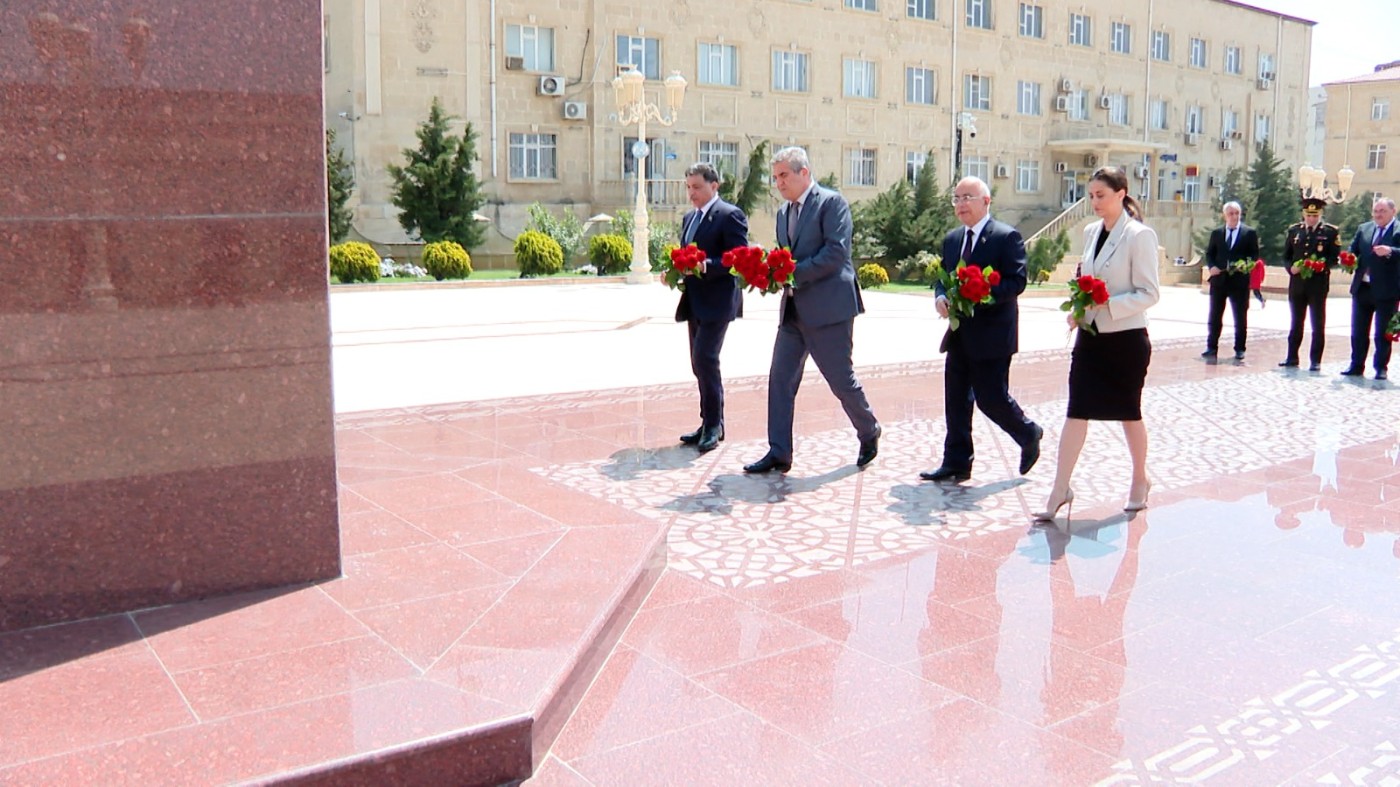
pixel 1106 375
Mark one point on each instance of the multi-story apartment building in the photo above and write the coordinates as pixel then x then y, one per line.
pixel 1363 129
pixel 1177 92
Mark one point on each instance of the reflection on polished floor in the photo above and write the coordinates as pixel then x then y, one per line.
pixel 831 626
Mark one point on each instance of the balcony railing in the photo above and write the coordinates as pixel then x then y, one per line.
pixel 1071 216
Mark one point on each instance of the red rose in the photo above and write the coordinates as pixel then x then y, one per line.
pixel 1099 293
pixel 1086 283
pixel 994 279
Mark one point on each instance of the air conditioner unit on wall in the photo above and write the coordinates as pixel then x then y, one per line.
pixel 1226 144
pixel 1090 160
pixel 1061 166
pixel 1237 134
pixel 1264 83
pixel 1061 103
pixel 1003 171
pixel 1105 102
pixel 1066 86
pixel 575 110
pixel 551 86
pixel 1193 139
pixel 515 63
pixel 1142 171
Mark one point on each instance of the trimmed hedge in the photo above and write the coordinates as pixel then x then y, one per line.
pixel 354 261
pixel 537 254
pixel 610 253
pixel 872 275
pixel 447 260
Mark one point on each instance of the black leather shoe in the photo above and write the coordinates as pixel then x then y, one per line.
pixel 1314 367
pixel 1030 452
pixel 869 448
pixel 1288 364
pixel 1381 375
pixel 691 438
pixel 1350 372
pixel 709 438
pixel 1209 354
pixel 1239 355
pixel 946 474
pixel 768 464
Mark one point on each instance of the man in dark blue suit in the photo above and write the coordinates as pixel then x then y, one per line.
pixel 980 350
pixel 1230 243
pixel 1375 287
pixel 818 312
pixel 710 299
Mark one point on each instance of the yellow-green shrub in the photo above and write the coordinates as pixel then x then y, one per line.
pixel 872 275
pixel 610 253
pixel 537 254
pixel 354 261
pixel 446 260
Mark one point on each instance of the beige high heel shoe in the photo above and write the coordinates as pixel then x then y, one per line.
pixel 1049 516
pixel 1138 505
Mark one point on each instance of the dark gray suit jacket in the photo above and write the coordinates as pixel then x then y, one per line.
pixel 824 283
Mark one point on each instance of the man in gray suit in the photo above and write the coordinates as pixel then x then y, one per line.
pixel 817 313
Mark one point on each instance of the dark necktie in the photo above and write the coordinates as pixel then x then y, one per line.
pixel 794 213
pixel 694 224
pixel 967 246
pixel 1232 238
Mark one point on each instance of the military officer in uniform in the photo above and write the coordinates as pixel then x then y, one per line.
pixel 1310 238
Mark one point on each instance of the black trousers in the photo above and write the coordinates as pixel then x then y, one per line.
pixel 983 381
pixel 1307 297
pixel 706 340
pixel 1365 310
pixel 1233 287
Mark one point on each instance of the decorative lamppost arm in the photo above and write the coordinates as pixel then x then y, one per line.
pixel 632 107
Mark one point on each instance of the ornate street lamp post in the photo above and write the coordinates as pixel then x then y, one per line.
pixel 632 107
pixel 1311 180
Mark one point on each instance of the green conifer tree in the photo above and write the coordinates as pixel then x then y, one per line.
pixel 1274 199
pixel 340 182
pixel 437 192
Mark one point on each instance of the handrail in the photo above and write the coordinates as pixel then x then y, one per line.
pixel 1069 216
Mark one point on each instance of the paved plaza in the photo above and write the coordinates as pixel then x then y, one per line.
pixel 531 556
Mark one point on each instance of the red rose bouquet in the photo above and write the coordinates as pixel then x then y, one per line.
pixel 1244 266
pixel 1347 260
pixel 966 287
pixel 764 272
pixel 1392 328
pixel 1308 267
pixel 1084 292
pixel 684 261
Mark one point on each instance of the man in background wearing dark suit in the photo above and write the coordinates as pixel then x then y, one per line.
pixel 817 314
pixel 979 351
pixel 1375 288
pixel 1234 241
pixel 711 298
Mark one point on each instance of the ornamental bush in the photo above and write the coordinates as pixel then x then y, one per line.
pixel 609 253
pixel 872 275
pixel 447 260
pixel 354 261
pixel 537 254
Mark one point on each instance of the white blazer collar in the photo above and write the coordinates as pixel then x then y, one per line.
pixel 1115 236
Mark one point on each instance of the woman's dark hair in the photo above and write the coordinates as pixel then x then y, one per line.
pixel 1115 178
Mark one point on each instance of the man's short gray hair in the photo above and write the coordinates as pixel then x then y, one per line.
pixel 1386 201
pixel 793 157
pixel 1232 204
pixel 982 189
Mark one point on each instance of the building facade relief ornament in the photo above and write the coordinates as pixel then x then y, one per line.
pixel 423 13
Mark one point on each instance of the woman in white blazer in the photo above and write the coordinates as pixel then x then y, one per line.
pixel 1108 367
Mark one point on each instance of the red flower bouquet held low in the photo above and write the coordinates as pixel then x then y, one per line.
pixel 1392 328
pixel 1306 268
pixel 762 271
pixel 1244 266
pixel 1347 261
pixel 966 287
pixel 685 260
pixel 1085 292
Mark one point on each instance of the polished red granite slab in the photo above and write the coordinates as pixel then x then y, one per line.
pixel 168 431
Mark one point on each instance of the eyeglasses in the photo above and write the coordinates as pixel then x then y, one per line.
pixel 964 198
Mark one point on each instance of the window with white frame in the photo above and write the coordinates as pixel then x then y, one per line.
pixel 1118 109
pixel 914 164
pixel 977 92
pixel 790 71
pixel 533 157
pixel 1199 58
pixel 979 14
pixel 723 156
pixel 1380 109
pixel 1079 105
pixel 1161 45
pixel 1375 157
pixel 860 167
pixel 1234 64
pixel 920 9
pixel 1027 98
pixel 1229 123
pixel 533 45
pixel 862 5
pixel 1191 191
pixel 1122 39
pixel 1195 120
pixel 1032 21
pixel 977 167
pixel 1027 176
pixel 1157 115
pixel 858 78
pixel 718 65
pixel 642 52
pixel 1081 30
pixel 1266 66
pixel 1261 128
pixel 919 85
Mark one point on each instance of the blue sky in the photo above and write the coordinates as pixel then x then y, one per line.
pixel 1351 36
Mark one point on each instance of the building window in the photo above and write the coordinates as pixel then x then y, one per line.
pixel 920 9
pixel 1192 190
pixel 1081 30
pixel 977 167
pixel 1266 66
pixel 1118 109
pixel 1122 38
pixel 919 85
pixel 1028 98
pixel 1261 128
pixel 1079 105
pixel 1161 45
pixel 1158 114
pixel 1198 53
pixel 1032 21
pixel 914 164
pixel 1027 176
pixel 533 45
pixel 644 53
pixel 718 65
pixel 862 5
pixel 860 167
pixel 977 92
pixel 533 157
pixel 1233 63
pixel 858 78
pixel 723 156
pixel 1380 109
pixel 790 72
pixel 1195 120
pixel 1229 123
pixel 979 14
pixel 1375 157
pixel 326 43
